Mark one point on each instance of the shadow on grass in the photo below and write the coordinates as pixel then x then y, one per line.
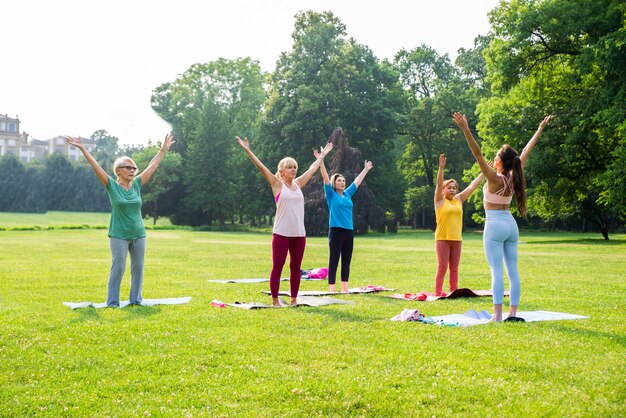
pixel 139 311
pixel 86 314
pixel 618 338
pixel 581 241
pixel 349 316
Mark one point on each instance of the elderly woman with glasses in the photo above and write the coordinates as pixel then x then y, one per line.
pixel 126 229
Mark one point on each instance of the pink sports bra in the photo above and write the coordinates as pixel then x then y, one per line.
pixel 498 197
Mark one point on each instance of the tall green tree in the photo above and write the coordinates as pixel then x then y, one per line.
pixel 161 195
pixel 328 80
pixel 564 57
pixel 433 89
pixel 207 106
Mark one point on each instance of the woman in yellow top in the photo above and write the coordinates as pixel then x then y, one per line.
pixel 449 215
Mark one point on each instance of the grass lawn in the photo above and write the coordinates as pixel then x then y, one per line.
pixel 338 360
pixel 11 220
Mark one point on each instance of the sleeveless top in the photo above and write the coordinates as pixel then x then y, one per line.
pixel 449 220
pixel 289 220
pixel 498 197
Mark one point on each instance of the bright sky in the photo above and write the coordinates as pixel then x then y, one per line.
pixel 71 67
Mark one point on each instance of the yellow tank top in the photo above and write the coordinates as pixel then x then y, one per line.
pixel 449 221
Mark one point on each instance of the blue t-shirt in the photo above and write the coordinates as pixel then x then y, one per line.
pixel 340 207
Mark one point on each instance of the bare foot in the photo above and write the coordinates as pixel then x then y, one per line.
pixel 332 288
pixel 294 301
pixel 344 287
pixel 275 302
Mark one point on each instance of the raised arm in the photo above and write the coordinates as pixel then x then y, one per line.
pixel 439 186
pixel 100 173
pixel 306 176
pixel 269 176
pixel 465 194
pixel 359 179
pixel 531 144
pixel 325 177
pixel 461 122
pixel 146 174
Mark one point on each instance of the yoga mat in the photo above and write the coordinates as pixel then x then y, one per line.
pixel 368 289
pixel 302 301
pixel 473 317
pixel 246 280
pixel 123 303
pixel 455 294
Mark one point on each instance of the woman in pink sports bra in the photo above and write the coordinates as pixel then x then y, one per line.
pixel 501 234
pixel 289 235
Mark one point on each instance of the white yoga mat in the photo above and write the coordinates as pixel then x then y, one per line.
pixel 123 303
pixel 302 301
pixel 247 280
pixel 355 290
pixel 473 317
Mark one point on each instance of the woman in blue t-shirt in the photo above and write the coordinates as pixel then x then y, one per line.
pixel 341 229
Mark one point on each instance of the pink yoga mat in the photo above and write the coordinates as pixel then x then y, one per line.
pixel 458 293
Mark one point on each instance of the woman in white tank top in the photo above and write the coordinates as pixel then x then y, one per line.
pixel 289 236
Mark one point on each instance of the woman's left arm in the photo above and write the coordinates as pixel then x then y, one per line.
pixel 467 192
pixel 359 179
pixel 156 160
pixel 531 144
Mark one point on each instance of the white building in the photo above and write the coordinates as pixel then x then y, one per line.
pixel 27 149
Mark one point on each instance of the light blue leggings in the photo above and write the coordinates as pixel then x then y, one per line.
pixel 500 241
pixel 119 249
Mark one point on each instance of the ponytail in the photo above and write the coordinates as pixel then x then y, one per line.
pixel 511 163
pixel 519 185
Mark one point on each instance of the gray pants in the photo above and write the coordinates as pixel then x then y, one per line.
pixel 119 249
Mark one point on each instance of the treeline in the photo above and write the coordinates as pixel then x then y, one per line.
pixel 540 57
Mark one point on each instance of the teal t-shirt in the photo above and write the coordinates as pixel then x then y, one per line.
pixel 126 221
pixel 340 207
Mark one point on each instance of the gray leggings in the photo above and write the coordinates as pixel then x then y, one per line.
pixel 119 249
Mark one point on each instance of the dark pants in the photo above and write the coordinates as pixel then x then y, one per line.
pixel 341 243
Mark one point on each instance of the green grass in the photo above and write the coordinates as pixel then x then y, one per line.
pixel 61 220
pixel 339 360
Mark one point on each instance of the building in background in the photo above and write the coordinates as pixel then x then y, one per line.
pixel 28 149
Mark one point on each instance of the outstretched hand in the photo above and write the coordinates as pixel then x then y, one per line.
pixel 244 143
pixel 442 160
pixel 545 121
pixel 460 120
pixel 326 149
pixel 74 141
pixel 167 142
pixel 368 165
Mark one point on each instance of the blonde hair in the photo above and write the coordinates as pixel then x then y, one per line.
pixel 120 162
pixel 334 178
pixel 445 183
pixel 286 162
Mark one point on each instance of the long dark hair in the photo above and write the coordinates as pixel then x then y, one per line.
pixel 512 163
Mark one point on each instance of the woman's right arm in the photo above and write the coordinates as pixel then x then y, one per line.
pixel 100 173
pixel 269 176
pixel 439 186
pixel 461 122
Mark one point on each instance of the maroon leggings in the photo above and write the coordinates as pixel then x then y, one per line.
pixel 280 246
pixel 448 253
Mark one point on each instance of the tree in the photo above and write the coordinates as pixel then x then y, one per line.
pixel 207 106
pixel 433 89
pixel 568 58
pixel 160 196
pixel 325 81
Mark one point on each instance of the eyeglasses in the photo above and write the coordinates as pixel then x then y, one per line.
pixel 128 167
